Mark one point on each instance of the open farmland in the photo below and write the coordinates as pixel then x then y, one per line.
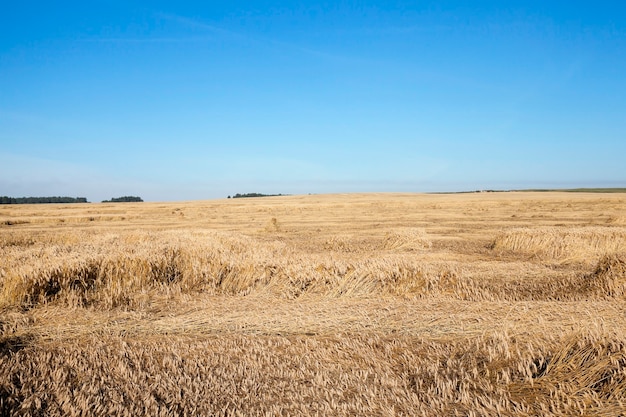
pixel 365 304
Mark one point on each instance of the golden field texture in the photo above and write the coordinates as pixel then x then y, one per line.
pixel 485 304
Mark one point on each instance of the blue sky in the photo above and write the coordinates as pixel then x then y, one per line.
pixel 197 100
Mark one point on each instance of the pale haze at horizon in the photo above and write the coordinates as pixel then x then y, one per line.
pixel 199 100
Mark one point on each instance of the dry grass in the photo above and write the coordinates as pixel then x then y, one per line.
pixel 564 244
pixel 479 304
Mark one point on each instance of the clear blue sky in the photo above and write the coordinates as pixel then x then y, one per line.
pixel 194 100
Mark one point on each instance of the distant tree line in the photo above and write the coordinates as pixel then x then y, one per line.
pixel 41 200
pixel 255 195
pixel 125 199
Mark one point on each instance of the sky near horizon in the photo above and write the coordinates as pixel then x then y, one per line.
pixel 195 100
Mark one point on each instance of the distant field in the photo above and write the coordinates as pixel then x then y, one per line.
pixel 362 304
pixel 547 190
pixel 589 190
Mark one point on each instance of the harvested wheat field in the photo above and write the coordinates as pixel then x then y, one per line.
pixel 484 304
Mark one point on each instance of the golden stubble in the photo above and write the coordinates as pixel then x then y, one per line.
pixel 363 304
